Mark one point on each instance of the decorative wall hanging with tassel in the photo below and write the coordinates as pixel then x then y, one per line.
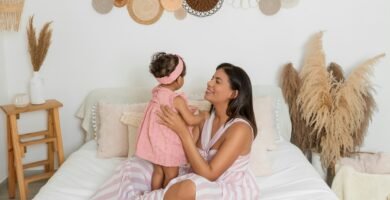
pixel 10 12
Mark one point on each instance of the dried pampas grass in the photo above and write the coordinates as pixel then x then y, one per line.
pixel 290 84
pixel 336 71
pixel 351 111
pixel 329 113
pixel 38 47
pixel 314 96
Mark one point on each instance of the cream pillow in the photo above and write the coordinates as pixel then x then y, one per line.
pixel 260 163
pixel 112 135
pixel 132 120
pixel 264 108
pixel 134 117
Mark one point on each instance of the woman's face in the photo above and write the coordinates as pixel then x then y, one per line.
pixel 218 88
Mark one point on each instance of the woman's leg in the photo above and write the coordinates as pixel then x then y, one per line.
pixel 184 190
pixel 169 174
pixel 157 177
pixel 132 178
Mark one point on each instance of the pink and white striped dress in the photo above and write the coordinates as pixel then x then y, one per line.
pixel 132 179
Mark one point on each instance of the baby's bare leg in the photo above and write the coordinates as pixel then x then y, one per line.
pixel 157 177
pixel 169 174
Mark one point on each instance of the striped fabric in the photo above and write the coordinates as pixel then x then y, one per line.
pixel 132 179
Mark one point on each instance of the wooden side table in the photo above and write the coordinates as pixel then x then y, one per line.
pixel 17 145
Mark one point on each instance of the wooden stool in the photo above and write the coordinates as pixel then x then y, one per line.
pixel 17 146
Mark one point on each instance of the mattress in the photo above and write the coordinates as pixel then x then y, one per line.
pixel 292 176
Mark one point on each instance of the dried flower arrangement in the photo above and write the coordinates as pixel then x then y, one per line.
pixel 38 47
pixel 330 114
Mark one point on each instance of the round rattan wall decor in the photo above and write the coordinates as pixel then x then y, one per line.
pixel 202 8
pixel 120 3
pixel 103 6
pixel 145 11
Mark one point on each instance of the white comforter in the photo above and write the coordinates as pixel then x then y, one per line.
pixel 293 177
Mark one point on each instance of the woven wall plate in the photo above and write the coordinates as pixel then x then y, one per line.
pixel 145 11
pixel 120 3
pixel 171 5
pixel 269 7
pixel 202 8
pixel 180 14
pixel 103 6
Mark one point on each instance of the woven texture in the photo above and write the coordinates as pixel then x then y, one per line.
pixel 11 10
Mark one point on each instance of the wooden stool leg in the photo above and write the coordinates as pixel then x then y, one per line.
pixel 11 163
pixel 58 135
pixel 18 158
pixel 50 145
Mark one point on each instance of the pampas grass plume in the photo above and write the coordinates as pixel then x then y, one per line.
pixel 38 47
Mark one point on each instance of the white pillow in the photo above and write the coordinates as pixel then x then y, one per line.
pixel 112 135
pixel 266 135
pixel 264 109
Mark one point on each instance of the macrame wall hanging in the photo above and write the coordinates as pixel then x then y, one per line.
pixel 149 11
pixel 10 12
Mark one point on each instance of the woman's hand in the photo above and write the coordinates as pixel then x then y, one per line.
pixel 172 120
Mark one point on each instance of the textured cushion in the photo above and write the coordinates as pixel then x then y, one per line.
pixel 266 136
pixel 373 163
pixel 112 135
pixel 133 117
pixel 132 120
pixel 264 108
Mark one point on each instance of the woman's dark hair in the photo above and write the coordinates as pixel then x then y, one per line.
pixel 242 105
pixel 163 64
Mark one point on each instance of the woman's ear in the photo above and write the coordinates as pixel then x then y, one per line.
pixel 234 94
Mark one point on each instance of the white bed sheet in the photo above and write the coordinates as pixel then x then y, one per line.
pixel 293 177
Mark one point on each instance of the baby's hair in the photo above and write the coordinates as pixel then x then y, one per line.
pixel 163 64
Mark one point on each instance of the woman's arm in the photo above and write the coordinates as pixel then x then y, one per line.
pixel 237 141
pixel 188 116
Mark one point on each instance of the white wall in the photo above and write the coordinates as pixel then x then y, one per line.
pixel 90 50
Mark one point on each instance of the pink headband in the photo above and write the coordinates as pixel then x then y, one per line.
pixel 174 75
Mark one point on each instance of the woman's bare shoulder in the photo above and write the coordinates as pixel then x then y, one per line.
pixel 240 130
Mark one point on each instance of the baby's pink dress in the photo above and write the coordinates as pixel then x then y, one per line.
pixel 156 142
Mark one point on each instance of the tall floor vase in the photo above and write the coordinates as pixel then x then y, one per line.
pixel 36 89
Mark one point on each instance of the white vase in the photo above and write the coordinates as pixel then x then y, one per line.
pixel 36 89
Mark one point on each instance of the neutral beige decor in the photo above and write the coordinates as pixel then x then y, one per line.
pixel 38 47
pixel 103 6
pixel 10 12
pixel 290 84
pixel 180 14
pixel 337 108
pixel 145 11
pixel 269 7
pixel 171 5
pixel 120 3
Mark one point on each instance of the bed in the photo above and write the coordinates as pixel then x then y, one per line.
pixel 291 175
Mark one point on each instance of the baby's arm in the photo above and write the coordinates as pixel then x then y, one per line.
pixel 188 116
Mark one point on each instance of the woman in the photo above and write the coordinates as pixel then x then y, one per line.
pixel 220 158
